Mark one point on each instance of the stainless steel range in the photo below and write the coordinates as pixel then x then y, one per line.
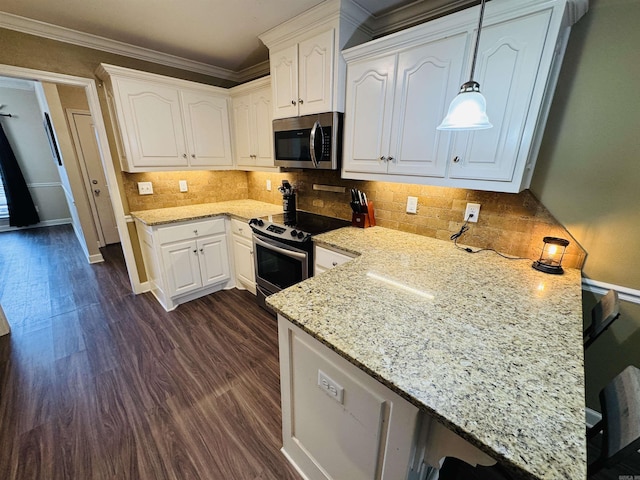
pixel 283 249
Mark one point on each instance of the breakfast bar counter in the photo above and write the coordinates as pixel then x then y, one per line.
pixel 488 347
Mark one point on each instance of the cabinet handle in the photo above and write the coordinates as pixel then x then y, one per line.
pixel 293 102
pixel 456 159
pixel 300 101
pixel 184 155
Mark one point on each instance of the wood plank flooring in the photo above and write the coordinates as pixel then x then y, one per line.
pixel 98 383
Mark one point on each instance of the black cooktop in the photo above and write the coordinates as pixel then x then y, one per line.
pixel 309 222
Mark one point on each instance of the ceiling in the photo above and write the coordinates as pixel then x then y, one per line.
pixel 218 33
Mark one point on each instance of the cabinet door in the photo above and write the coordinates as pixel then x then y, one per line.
pixel 315 57
pixel 207 126
pixel 182 267
pixel 214 259
pixel 284 82
pixel 242 122
pixel 243 256
pixel 428 78
pixel 508 60
pixel 153 123
pixel 367 126
pixel 262 127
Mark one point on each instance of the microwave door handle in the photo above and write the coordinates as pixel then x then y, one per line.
pixel 312 143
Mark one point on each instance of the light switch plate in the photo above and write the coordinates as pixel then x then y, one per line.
pixel 268 185
pixel 183 185
pixel 412 204
pixel 145 188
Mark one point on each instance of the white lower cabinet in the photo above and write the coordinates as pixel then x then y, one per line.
pixel 185 260
pixel 326 259
pixel 243 255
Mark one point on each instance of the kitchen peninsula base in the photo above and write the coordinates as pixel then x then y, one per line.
pixel 339 422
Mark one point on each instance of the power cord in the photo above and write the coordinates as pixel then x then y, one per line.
pixel 463 229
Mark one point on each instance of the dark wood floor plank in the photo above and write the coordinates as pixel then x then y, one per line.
pixel 97 383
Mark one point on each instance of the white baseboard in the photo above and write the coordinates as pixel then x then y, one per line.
pixel 45 223
pixel 97 258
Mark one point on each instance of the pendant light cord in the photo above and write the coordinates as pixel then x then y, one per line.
pixel 475 52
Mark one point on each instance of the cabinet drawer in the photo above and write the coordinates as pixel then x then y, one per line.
pixel 186 230
pixel 241 228
pixel 326 259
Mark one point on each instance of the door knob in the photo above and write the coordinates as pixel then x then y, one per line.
pixel 95 182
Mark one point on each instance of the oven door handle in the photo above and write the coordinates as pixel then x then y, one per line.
pixel 312 143
pixel 284 251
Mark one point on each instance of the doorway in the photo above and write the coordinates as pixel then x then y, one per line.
pixel 85 142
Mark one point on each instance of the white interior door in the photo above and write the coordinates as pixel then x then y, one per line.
pixel 86 145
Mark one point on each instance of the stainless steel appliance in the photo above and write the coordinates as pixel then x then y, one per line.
pixel 310 141
pixel 283 251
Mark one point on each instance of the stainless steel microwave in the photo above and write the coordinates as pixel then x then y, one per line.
pixel 310 141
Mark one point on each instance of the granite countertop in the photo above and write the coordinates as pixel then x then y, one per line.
pixel 240 209
pixel 490 347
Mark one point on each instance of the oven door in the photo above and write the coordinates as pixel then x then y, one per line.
pixel 278 265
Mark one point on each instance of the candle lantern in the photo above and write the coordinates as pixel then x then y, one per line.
pixel 550 260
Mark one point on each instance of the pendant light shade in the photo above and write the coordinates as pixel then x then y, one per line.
pixel 468 110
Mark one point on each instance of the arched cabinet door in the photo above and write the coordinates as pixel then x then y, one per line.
pixel 284 78
pixel 315 57
pixel 152 124
pixel 369 105
pixel 507 69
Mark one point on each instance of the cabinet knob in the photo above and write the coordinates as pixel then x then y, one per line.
pixel 335 264
pixel 300 101
pixel 193 155
pixel 293 102
pixel 456 159
pixel 390 159
pixel 195 251
pixel 383 158
pixel 97 191
pixel 184 155
pixel 201 250
pixel 195 232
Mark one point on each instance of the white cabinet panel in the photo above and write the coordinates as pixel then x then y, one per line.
pixel 242 123
pixel 325 259
pixel 425 81
pixel 368 124
pixel 214 259
pixel 245 268
pixel 152 123
pixel 315 57
pixel 182 267
pixel 207 127
pixel 284 78
pixel 262 127
pixel 508 60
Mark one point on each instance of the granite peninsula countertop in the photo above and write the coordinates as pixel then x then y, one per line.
pixel 240 209
pixel 490 347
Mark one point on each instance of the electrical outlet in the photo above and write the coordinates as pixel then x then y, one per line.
pixel 145 188
pixel 472 212
pixel 330 387
pixel 268 185
pixel 183 185
pixel 412 204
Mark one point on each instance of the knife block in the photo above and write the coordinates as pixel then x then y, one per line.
pixel 364 220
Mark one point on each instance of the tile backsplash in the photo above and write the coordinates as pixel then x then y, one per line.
pixel 513 224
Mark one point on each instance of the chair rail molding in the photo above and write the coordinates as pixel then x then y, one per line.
pixel 625 293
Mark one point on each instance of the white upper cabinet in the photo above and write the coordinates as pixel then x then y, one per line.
pixel 303 77
pixel 166 123
pixel 207 127
pixel 252 124
pixel 399 88
pixel 395 102
pixel 307 67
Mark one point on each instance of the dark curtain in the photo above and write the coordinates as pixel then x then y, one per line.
pixel 22 211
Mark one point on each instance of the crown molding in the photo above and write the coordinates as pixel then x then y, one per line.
pixel 74 37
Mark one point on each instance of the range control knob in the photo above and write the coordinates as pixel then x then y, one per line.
pixel 260 222
pixel 294 233
pixel 300 234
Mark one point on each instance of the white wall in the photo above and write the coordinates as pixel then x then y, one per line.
pixel 26 134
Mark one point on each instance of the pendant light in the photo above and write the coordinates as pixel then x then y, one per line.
pixel 468 111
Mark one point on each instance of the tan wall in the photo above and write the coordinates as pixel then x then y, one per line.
pixel 588 173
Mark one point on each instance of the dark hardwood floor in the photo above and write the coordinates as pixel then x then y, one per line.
pixel 98 383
